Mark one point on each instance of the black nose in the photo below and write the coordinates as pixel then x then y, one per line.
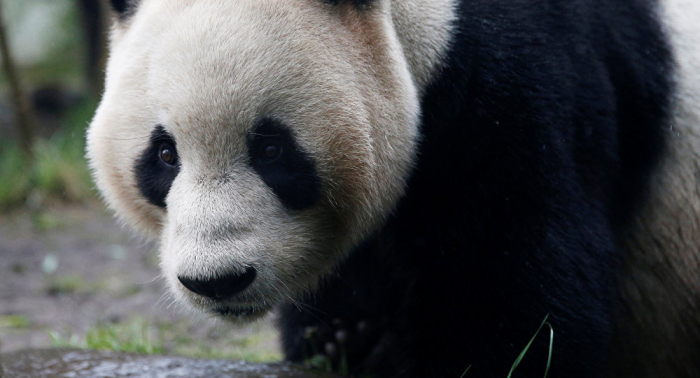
pixel 221 287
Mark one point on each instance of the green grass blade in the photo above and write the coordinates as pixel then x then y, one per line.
pixel 527 347
pixel 551 346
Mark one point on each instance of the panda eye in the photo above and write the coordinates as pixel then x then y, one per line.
pixel 271 151
pixel 167 154
pixel 156 168
pixel 283 165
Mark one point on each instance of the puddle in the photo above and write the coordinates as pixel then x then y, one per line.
pixel 78 363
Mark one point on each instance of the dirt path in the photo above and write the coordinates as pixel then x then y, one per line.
pixel 73 270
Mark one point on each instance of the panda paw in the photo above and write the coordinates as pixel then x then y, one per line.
pixel 342 345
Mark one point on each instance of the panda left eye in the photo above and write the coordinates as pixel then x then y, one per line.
pixel 271 151
pixel 283 165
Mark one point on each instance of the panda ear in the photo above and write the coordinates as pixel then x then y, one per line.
pixel 123 7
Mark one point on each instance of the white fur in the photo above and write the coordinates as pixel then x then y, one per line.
pixel 424 29
pixel 206 70
pixel 661 279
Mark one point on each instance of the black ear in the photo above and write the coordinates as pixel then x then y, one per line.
pixel 123 7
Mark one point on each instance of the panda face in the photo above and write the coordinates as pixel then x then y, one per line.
pixel 259 141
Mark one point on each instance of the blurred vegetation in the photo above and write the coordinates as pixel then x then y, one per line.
pixel 64 58
pixel 58 86
pixel 60 172
pixel 14 321
pixel 140 336
pixel 136 337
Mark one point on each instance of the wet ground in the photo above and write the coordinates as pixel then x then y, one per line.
pixel 103 364
pixel 71 276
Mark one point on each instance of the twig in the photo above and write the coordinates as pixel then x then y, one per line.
pixel 95 22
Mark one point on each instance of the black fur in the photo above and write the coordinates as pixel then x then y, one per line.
pixel 124 8
pixel 292 174
pixel 154 177
pixel 537 141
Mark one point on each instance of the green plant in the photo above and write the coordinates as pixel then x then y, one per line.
pixel 136 336
pixel 527 347
pixel 16 179
pixel 60 171
pixel 14 321
pixel 65 285
pixel 139 336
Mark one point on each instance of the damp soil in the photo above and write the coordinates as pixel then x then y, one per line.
pixel 67 270
pixel 76 363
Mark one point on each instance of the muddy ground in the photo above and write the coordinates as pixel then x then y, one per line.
pixel 68 271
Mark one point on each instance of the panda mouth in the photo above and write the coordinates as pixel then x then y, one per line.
pixel 239 311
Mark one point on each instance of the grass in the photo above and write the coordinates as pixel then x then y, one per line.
pixel 14 321
pixel 139 336
pixel 16 179
pixel 527 348
pixel 65 285
pixel 249 348
pixel 59 173
pixel 135 337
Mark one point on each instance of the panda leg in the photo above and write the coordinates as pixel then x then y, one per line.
pixel 328 330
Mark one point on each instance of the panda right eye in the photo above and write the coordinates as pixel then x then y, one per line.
pixel 167 154
pixel 157 167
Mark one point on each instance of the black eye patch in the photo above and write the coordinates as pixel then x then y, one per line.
pixel 157 167
pixel 283 165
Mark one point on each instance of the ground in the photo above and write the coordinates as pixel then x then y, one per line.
pixel 71 276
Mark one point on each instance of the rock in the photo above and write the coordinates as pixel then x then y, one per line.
pixel 78 363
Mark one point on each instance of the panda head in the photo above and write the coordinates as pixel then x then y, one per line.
pixel 257 140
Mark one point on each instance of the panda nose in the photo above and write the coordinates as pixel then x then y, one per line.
pixel 221 287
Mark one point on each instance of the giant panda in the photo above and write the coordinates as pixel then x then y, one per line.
pixel 416 185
